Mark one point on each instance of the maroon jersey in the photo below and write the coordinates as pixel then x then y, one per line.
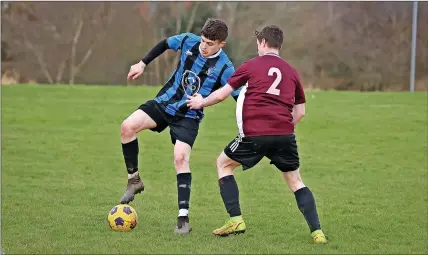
pixel 271 89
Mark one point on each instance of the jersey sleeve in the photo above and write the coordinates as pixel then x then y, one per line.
pixel 224 80
pixel 175 42
pixel 299 95
pixel 239 77
pixel 226 75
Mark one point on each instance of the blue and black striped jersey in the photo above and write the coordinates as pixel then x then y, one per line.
pixel 213 72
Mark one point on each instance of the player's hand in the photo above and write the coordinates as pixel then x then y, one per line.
pixel 136 70
pixel 195 102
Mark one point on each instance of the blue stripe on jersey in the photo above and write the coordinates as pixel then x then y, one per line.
pixel 171 91
pixel 175 43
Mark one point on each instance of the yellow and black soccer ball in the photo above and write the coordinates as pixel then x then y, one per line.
pixel 122 218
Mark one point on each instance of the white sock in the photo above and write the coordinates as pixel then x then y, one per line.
pixel 183 212
pixel 132 175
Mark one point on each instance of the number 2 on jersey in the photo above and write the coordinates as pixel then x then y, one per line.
pixel 272 89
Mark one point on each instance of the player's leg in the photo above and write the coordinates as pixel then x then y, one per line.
pixel 286 158
pixel 239 151
pixel 183 135
pixel 306 203
pixel 229 192
pixel 139 120
pixel 184 183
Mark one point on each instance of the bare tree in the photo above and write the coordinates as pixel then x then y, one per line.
pixel 103 15
pixel 52 33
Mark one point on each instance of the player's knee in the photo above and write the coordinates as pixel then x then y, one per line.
pixel 126 129
pixel 293 180
pixel 220 163
pixel 224 167
pixel 181 160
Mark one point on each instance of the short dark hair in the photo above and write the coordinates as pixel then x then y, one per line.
pixel 273 36
pixel 215 29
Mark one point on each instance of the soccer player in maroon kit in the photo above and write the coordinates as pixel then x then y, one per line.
pixel 271 103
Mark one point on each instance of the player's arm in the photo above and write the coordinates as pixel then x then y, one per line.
pixel 298 113
pixel 299 109
pixel 239 78
pixel 155 52
pixel 137 70
pixel 217 96
pixel 173 42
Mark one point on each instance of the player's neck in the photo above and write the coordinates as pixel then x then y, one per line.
pixel 272 52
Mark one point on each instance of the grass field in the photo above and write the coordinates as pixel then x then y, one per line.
pixel 363 155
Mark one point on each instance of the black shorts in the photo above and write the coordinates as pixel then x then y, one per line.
pixel 182 129
pixel 280 149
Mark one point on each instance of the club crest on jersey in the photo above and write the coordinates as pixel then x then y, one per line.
pixel 210 71
pixel 189 53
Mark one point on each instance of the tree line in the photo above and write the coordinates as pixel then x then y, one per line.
pixel 334 45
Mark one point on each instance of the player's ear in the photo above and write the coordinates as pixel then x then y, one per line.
pixel 222 44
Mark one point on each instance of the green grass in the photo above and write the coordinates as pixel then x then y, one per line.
pixel 363 156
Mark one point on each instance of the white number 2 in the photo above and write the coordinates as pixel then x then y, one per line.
pixel 272 89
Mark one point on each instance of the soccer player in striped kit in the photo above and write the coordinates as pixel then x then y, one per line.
pixel 202 55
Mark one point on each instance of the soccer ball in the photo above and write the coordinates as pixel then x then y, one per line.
pixel 122 218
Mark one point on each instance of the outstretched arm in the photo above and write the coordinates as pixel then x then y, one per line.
pixel 239 78
pixel 198 102
pixel 159 48
pixel 174 43
pixel 137 70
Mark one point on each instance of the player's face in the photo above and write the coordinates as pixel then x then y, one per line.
pixel 210 47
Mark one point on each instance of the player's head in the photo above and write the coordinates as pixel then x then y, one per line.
pixel 214 34
pixel 271 37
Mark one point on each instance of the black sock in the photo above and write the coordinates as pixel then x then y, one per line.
pixel 306 203
pixel 184 183
pixel 230 193
pixel 130 154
